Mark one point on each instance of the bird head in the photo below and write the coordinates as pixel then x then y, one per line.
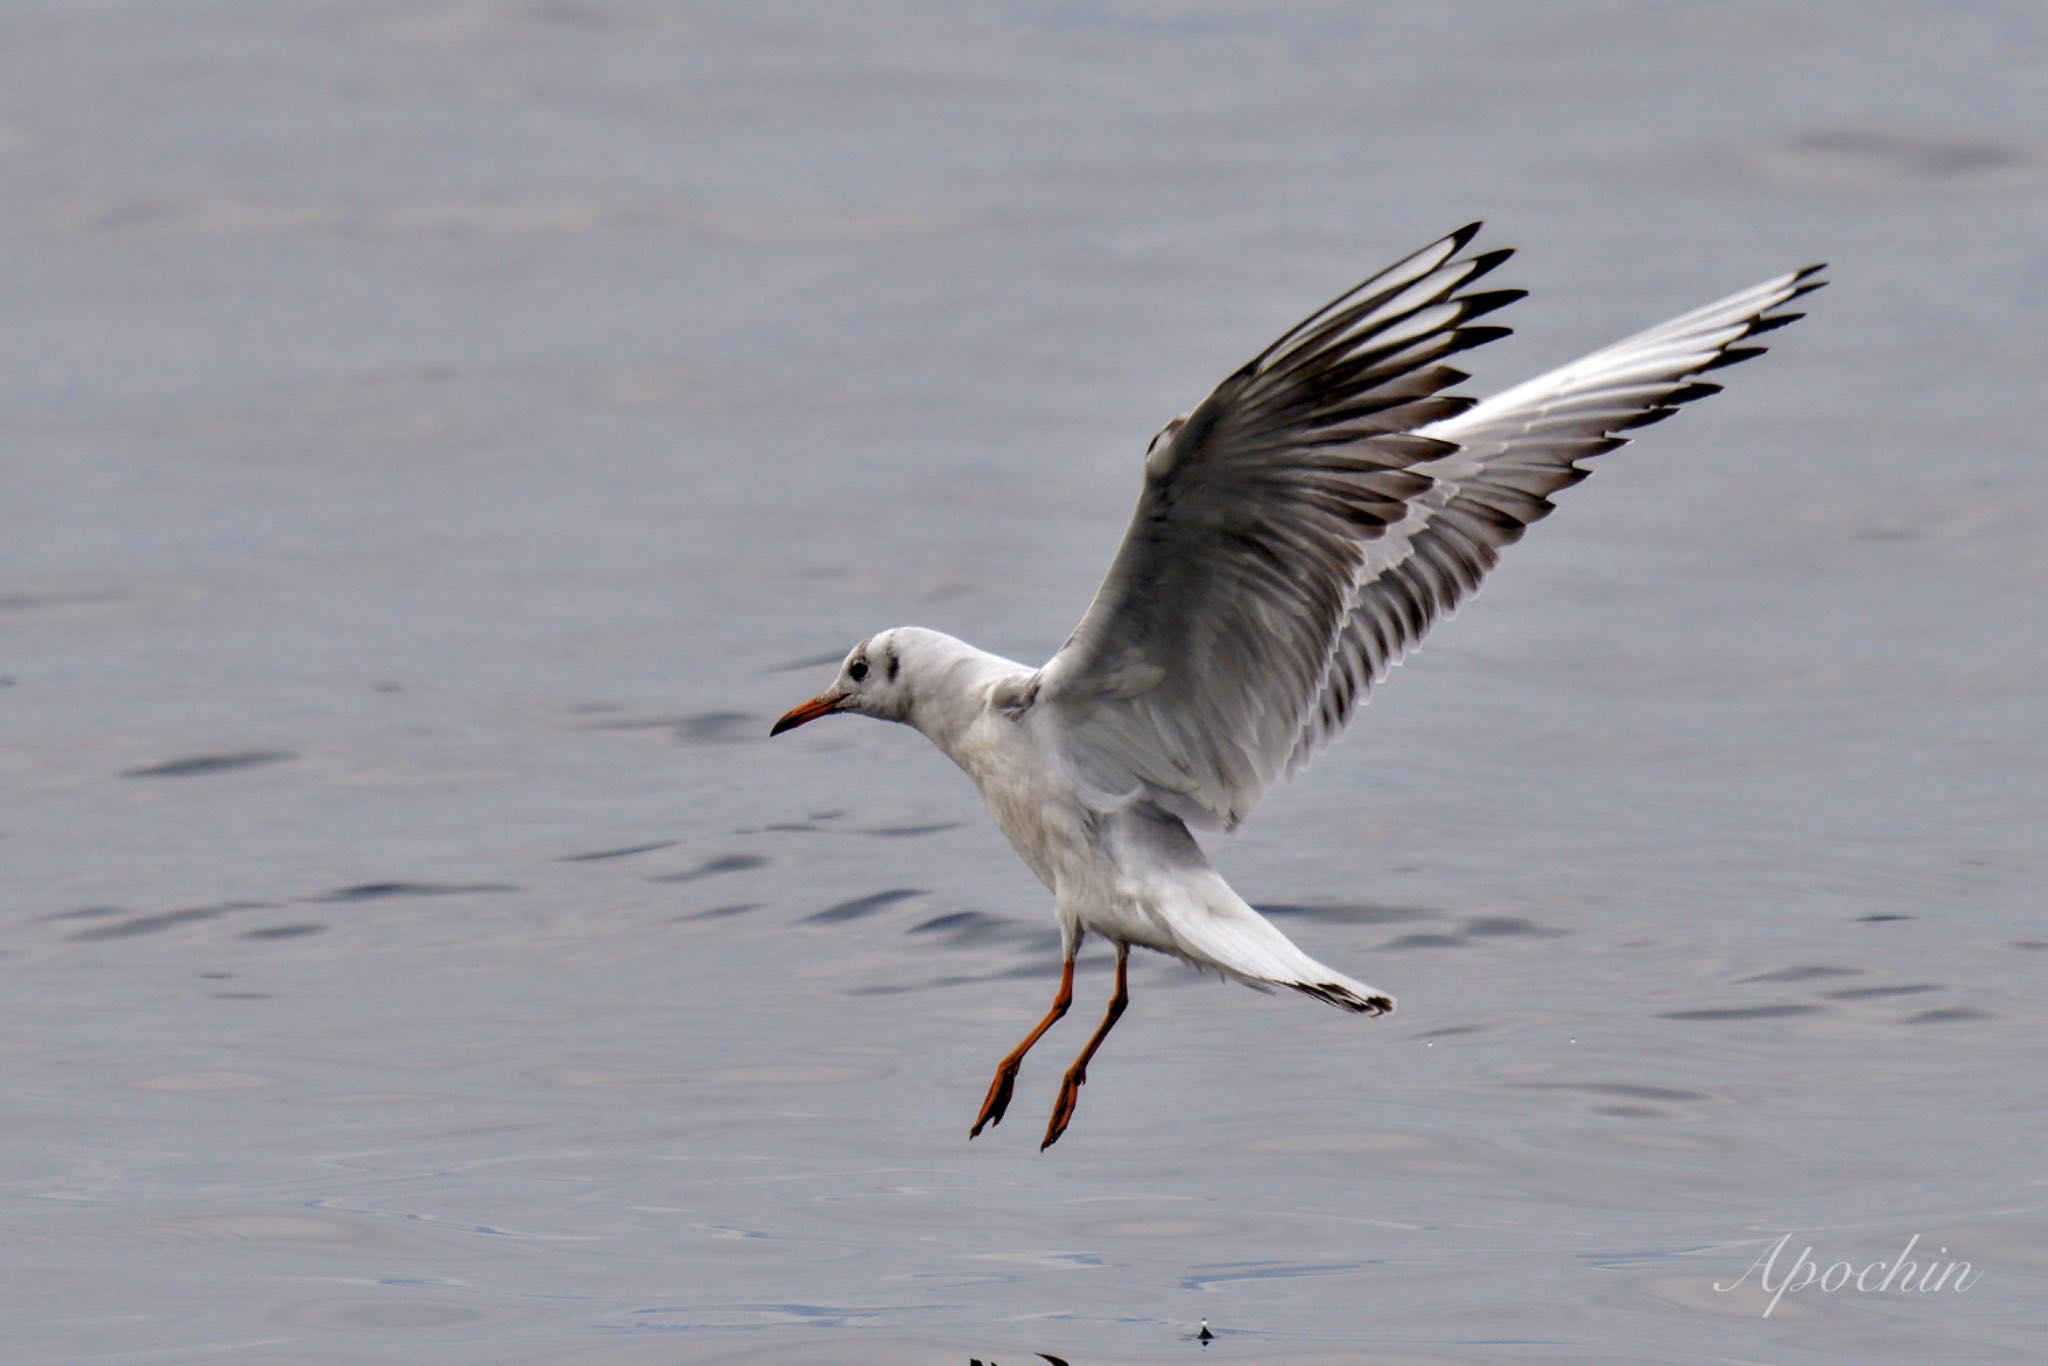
pixel 871 682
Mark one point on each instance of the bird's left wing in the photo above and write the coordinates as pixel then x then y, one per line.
pixel 1193 673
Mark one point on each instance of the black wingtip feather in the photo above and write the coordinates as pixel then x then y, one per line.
pixel 1487 261
pixel 1468 337
pixel 1649 417
pixel 1734 355
pixel 1771 322
pixel 1489 301
pixel 1465 234
pixel 1683 394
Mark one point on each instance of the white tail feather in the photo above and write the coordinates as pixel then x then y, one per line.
pixel 1221 931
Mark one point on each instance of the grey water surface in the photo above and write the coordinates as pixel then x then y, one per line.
pixel 437 438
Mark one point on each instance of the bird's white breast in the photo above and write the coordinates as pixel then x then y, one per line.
pixel 1041 817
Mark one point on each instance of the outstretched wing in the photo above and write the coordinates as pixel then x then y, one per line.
pixel 1209 644
pixel 1511 453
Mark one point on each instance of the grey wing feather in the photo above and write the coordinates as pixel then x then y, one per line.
pixel 1509 454
pixel 1192 675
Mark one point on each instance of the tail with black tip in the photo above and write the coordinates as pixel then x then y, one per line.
pixel 1220 931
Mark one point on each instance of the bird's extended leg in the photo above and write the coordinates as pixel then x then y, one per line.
pixel 998 1098
pixel 1070 1089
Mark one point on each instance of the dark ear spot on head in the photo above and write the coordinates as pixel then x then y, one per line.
pixel 894 665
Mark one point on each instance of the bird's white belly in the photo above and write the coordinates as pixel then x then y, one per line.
pixel 1044 822
pixel 1071 847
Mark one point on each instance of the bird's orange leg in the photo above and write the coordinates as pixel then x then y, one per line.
pixel 1070 1089
pixel 998 1099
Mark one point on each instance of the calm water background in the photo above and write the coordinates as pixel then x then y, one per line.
pixel 437 438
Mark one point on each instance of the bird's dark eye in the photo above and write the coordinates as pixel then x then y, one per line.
pixel 857 670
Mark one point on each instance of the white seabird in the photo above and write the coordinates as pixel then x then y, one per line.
pixel 1297 534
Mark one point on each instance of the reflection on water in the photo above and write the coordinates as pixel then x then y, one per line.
pixel 441 437
pixel 207 763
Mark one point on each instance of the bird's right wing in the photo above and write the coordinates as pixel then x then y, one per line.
pixel 1192 673
pixel 1512 452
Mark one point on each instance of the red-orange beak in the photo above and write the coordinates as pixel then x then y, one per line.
pixel 824 704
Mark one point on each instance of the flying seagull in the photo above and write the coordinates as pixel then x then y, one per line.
pixel 1296 535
